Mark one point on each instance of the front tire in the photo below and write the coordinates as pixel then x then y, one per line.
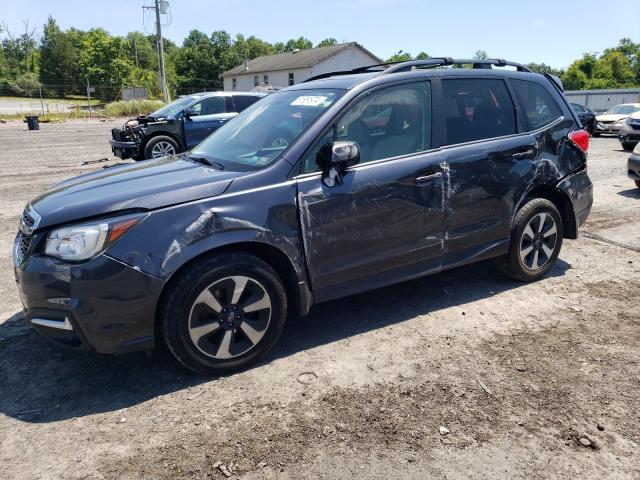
pixel 536 240
pixel 224 313
pixel 627 146
pixel 638 183
pixel 160 146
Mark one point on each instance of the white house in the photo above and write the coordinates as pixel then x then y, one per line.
pixel 286 69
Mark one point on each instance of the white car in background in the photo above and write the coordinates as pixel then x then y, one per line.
pixel 629 131
pixel 613 119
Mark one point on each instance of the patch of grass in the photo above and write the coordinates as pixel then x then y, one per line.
pixel 132 108
pixel 53 116
pixel 71 100
pixel 114 109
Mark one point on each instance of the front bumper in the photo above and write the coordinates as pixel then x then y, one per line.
pixel 101 305
pixel 629 133
pixel 612 128
pixel 633 167
pixel 123 150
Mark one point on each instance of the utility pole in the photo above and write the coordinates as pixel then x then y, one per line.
pixel 160 7
pixel 89 97
pixel 135 51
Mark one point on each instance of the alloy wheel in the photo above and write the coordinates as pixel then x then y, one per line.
pixel 230 317
pixel 162 149
pixel 538 241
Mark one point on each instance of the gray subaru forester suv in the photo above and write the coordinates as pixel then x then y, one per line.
pixel 348 182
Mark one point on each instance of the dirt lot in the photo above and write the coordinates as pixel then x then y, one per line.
pixel 529 381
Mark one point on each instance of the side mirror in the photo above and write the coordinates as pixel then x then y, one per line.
pixel 191 112
pixel 334 158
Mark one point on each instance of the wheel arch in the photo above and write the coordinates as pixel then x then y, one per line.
pixel 562 202
pixel 299 297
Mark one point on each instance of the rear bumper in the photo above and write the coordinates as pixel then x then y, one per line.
pixel 579 189
pixel 633 167
pixel 101 305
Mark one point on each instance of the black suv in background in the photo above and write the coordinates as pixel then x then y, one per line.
pixel 586 116
pixel 178 126
pixel 345 183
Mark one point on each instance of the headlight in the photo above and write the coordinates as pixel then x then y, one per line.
pixel 80 242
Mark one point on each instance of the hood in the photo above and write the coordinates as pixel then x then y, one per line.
pixel 145 185
pixel 611 117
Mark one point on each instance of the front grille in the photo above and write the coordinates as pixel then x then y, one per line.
pixel 119 135
pixel 27 221
pixel 22 246
pixel 606 122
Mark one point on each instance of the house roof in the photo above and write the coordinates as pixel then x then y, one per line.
pixel 300 59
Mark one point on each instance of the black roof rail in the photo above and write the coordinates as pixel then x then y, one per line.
pixel 349 72
pixel 446 61
pixel 434 62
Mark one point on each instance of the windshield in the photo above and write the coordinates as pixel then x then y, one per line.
pixel 174 107
pixel 256 137
pixel 622 110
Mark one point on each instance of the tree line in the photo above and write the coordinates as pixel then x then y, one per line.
pixel 617 67
pixel 63 62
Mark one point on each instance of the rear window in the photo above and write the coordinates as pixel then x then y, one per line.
pixel 477 109
pixel 538 106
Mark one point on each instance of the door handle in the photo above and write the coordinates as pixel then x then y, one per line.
pixel 422 179
pixel 524 154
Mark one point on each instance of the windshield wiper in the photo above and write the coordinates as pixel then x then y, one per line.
pixel 206 161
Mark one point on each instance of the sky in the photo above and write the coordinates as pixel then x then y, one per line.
pixel 554 32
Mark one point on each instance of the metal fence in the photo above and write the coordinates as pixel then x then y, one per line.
pixel 602 100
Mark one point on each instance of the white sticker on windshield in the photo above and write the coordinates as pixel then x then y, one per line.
pixel 309 100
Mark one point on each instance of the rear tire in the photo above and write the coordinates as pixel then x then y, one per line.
pixel 536 240
pixel 638 183
pixel 223 313
pixel 160 146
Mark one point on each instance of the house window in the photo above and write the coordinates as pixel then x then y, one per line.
pixel 234 83
pixel 255 81
pixel 291 80
pixel 265 79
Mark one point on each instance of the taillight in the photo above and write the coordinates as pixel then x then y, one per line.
pixel 580 138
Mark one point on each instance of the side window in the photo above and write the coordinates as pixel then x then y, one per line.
pixel 210 106
pixel 240 102
pixel 578 108
pixel 537 104
pixel 477 109
pixel 388 123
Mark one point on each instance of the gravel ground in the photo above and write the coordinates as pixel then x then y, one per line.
pixel 458 375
